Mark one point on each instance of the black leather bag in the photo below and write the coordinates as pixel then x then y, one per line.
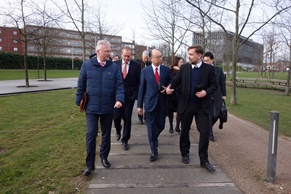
pixel 223 112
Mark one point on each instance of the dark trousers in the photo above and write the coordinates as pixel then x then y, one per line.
pixel 155 125
pixel 92 131
pixel 203 125
pixel 125 113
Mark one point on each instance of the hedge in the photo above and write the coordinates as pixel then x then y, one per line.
pixel 15 61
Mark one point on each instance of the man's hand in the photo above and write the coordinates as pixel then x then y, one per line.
pixel 118 104
pixel 139 111
pixel 169 90
pixel 201 94
pixel 164 90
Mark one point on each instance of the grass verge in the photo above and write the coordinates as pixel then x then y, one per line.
pixel 34 74
pixel 42 143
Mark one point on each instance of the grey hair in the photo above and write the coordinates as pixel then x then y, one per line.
pixel 102 42
pixel 146 53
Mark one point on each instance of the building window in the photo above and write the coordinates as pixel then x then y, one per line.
pixel 0 39
pixel 15 49
pixel 14 32
pixel 69 42
pixel 0 48
pixel 14 41
pixel 0 32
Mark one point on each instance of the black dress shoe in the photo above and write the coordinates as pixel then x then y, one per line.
pixel 153 158
pixel 118 136
pixel 105 163
pixel 185 159
pixel 208 166
pixel 178 130
pixel 140 118
pixel 125 146
pixel 88 170
pixel 171 130
pixel 211 138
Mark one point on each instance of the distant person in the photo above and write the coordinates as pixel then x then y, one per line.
pixel 145 59
pixel 172 100
pixel 145 62
pixel 102 81
pixel 219 95
pixel 197 84
pixel 130 71
pixel 116 58
pixel 152 96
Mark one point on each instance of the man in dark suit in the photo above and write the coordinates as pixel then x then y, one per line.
pixel 130 71
pixel 219 95
pixel 197 84
pixel 101 80
pixel 144 63
pixel 152 95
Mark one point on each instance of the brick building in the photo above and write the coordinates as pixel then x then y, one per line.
pixel 10 40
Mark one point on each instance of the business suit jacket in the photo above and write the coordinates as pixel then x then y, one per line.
pixel 131 82
pixel 148 93
pixel 206 81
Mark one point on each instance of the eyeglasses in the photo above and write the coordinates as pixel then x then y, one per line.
pixel 106 51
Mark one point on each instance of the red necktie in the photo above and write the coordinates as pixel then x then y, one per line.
pixel 101 64
pixel 157 76
pixel 124 71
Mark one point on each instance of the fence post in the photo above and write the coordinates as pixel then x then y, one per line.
pixel 273 142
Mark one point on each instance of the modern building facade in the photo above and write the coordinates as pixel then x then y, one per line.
pixel 250 54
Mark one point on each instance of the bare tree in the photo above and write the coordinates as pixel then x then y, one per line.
pixel 75 11
pixel 19 15
pixel 101 28
pixel 285 34
pixel 166 23
pixel 43 37
pixel 243 18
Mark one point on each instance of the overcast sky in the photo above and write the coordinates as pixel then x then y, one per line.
pixel 129 14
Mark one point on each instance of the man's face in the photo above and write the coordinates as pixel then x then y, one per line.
pixel 145 59
pixel 103 53
pixel 208 60
pixel 194 57
pixel 126 55
pixel 157 58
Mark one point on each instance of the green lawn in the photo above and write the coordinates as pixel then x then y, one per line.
pixel 34 74
pixel 42 143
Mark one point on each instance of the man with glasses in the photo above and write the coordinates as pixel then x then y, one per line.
pixel 101 79
pixel 152 97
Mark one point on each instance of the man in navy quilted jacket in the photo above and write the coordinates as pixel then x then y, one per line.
pixel 101 79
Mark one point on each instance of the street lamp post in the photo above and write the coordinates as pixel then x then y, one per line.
pixel 72 57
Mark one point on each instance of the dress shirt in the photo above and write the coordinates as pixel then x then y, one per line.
pixel 198 65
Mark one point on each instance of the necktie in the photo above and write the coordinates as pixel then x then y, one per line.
pixel 101 64
pixel 157 76
pixel 124 71
pixel 195 66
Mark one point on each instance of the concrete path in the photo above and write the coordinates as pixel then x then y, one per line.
pixel 131 171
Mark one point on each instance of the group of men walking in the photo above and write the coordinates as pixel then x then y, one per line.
pixel 113 87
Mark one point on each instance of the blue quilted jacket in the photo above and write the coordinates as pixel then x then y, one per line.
pixel 103 85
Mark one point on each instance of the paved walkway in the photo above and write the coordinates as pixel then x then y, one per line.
pixel 132 171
